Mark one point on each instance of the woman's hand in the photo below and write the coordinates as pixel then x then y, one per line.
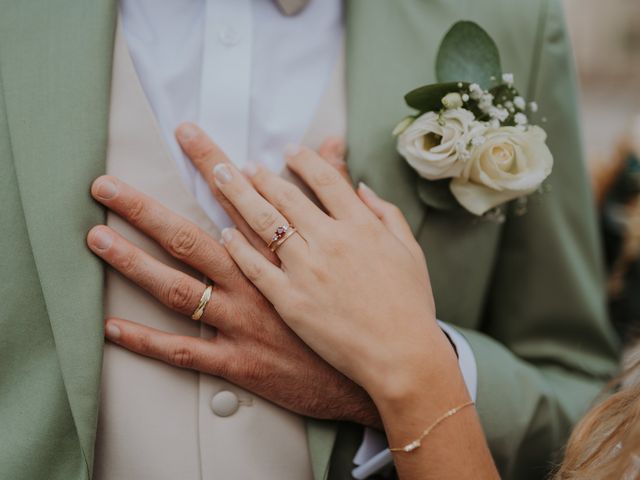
pixel 352 283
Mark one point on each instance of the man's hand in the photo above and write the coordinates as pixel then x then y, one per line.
pixel 253 348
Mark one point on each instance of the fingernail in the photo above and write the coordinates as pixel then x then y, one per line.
pixel 222 173
pixel 366 190
pixel 106 189
pixel 186 132
pixel 112 331
pixel 101 239
pixel 227 235
pixel 250 169
pixel 291 150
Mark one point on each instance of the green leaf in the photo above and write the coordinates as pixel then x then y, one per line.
pixel 429 97
pixel 468 53
pixel 502 94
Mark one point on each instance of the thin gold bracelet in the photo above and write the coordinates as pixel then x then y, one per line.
pixel 410 447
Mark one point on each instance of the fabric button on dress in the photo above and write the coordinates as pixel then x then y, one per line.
pixel 225 403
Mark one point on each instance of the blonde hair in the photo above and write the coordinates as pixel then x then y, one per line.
pixel 606 443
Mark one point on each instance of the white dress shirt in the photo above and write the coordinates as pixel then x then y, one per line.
pixel 227 65
pixel 252 79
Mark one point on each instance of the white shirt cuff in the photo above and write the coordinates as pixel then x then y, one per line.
pixel 466 358
pixel 373 454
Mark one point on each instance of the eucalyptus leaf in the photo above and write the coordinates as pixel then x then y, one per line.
pixel 429 97
pixel 467 53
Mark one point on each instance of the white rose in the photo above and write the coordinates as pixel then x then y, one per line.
pixel 511 163
pixel 437 146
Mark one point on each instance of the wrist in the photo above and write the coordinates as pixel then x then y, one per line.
pixel 432 375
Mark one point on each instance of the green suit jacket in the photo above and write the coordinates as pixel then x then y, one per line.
pixel 527 293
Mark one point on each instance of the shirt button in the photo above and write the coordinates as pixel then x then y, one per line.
pixel 225 403
pixel 228 36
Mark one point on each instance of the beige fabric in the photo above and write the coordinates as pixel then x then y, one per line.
pixel 156 421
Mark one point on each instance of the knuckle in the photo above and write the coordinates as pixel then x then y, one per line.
pixel 285 197
pixel 179 295
pixel 326 177
pixel 183 243
pixel 226 366
pixel 181 356
pixel 253 371
pixel 201 152
pixel 253 272
pixel 135 210
pixel 215 312
pixel 370 227
pixel 127 262
pixel 226 267
pixel 265 221
pixel 144 343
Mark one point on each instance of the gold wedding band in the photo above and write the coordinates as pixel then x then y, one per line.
pixel 204 300
pixel 281 235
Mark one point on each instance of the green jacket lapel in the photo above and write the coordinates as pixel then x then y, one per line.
pixel 56 83
pixel 391 48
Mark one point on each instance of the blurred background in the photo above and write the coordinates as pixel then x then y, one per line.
pixel 606 41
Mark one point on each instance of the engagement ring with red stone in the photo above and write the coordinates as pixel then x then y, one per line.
pixel 281 235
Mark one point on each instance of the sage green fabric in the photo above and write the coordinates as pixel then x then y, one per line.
pixel 526 293
pixel 55 58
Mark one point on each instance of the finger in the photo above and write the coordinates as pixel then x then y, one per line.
pixel 181 238
pixel 333 150
pixel 390 216
pixel 267 278
pixel 205 155
pixel 287 199
pixel 329 186
pixel 261 216
pixel 209 356
pixel 173 288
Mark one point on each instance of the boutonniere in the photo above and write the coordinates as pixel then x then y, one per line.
pixel 472 128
